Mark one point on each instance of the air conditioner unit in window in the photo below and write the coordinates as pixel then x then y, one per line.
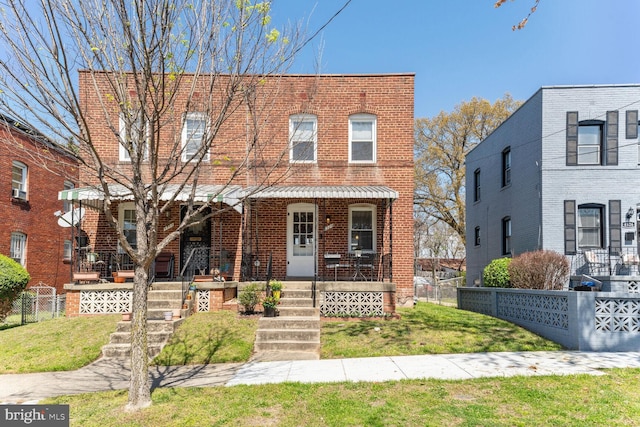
pixel 18 194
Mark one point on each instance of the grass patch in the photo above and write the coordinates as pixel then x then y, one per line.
pixel 61 344
pixel 612 399
pixel 215 337
pixel 427 329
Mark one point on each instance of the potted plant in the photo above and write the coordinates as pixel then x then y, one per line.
pixel 269 305
pixel 276 288
pixel 249 298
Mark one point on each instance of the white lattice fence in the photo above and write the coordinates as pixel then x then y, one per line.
pixel 617 315
pixel 102 302
pixel 352 304
pixel 203 300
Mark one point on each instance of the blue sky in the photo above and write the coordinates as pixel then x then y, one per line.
pixel 459 49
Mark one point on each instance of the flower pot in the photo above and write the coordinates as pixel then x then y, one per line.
pixel 126 317
pixel 276 294
pixel 118 279
pixel 269 312
pixel 168 315
pixel 189 295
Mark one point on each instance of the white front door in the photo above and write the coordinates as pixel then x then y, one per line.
pixel 301 239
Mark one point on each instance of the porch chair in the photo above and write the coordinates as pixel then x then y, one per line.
pixel 164 265
pixel 629 261
pixel 367 262
pixel 332 262
pixel 593 264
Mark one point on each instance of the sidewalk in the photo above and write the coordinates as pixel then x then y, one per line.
pixel 112 374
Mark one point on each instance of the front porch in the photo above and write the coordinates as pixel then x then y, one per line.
pixel 334 299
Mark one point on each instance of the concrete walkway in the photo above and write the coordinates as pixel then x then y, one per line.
pixel 112 374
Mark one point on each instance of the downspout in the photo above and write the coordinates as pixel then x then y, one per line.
pixel 391 240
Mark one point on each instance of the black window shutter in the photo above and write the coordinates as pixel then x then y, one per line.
pixel 572 138
pixel 570 227
pixel 632 124
pixel 615 227
pixel 612 138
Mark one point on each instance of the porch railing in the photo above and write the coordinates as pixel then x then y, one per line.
pixel 606 262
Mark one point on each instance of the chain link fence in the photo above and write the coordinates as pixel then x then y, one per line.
pixel 36 304
pixel 441 292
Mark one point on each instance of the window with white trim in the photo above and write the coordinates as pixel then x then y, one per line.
pixel 194 132
pixel 362 138
pixel 303 138
pixel 18 249
pixel 127 221
pixel 134 131
pixel 590 142
pixel 19 177
pixel 68 249
pixel 590 226
pixel 67 205
pixel 362 231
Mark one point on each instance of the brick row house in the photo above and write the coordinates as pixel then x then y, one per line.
pixel 328 197
pixel 33 169
pixel 560 174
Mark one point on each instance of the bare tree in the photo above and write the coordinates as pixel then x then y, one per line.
pixel 143 63
pixel 442 142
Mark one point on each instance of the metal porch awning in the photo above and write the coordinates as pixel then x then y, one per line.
pixel 93 196
pixel 323 192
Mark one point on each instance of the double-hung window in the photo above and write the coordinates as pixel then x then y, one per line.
pixel 476 236
pixel 133 132
pixel 67 205
pixel 506 167
pixel 194 134
pixel 18 249
pixel 590 226
pixel 362 138
pixel 362 221
pixel 506 236
pixel 303 138
pixel 19 180
pixel 127 220
pixel 590 142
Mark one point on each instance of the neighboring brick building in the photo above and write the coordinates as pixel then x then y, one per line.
pixel 346 181
pixel 560 174
pixel 32 171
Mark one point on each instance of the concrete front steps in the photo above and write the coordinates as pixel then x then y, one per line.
pixel 162 297
pixel 295 333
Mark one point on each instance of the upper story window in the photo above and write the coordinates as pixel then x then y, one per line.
pixel 303 139
pixel 590 226
pixel 506 236
pixel 68 250
pixel 590 142
pixel 18 249
pixel 506 167
pixel 476 236
pixel 19 180
pixel 362 221
pixel 67 205
pixel 193 136
pixel 132 130
pixel 127 221
pixel 362 138
pixel 476 185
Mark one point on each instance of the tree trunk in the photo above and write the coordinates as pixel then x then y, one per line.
pixel 139 388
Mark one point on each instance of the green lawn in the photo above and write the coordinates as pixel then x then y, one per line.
pixel 60 344
pixel 581 400
pixel 427 329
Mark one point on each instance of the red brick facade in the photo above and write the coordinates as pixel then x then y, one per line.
pixel 263 229
pixel 47 170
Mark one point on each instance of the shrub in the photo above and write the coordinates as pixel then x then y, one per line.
pixel 13 280
pixel 249 297
pixel 547 270
pixel 496 274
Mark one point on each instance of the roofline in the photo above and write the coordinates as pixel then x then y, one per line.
pixel 35 136
pixel 398 74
